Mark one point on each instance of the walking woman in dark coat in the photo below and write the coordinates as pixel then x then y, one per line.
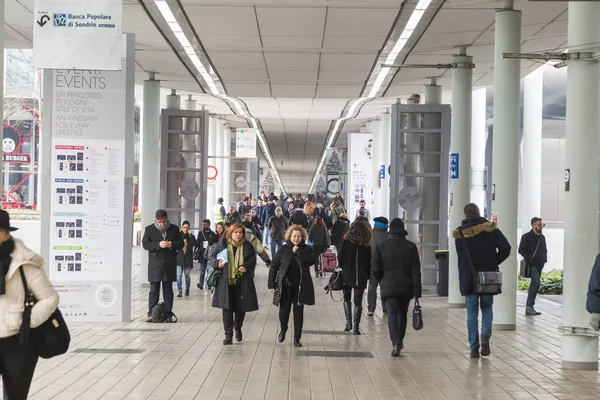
pixel 319 238
pixel 354 257
pixel 397 267
pixel 235 292
pixel 290 281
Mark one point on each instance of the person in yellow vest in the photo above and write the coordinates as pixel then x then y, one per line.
pixel 219 211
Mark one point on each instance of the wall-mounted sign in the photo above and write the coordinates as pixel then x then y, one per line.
pixel 567 180
pixel 333 160
pixel 360 166
pixel 454 172
pixel 245 142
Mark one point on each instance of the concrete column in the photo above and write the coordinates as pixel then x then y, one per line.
pixel 460 186
pixel 384 155
pixel 581 201
pixel 220 153
pixel 433 92
pixel 149 162
pixel 212 151
pixel 174 160
pixel 505 159
pixel 478 138
pixel 188 143
pixel 227 165
pixel 375 206
pixel 531 193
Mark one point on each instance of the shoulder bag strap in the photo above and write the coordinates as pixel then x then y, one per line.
pixel 468 253
pixel 29 301
pixel 536 248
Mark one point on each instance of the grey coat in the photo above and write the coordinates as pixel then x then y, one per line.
pixel 162 263
pixel 247 298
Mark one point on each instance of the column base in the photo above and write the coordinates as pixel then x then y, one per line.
pixel 580 365
pixel 145 285
pixel 505 327
pixel 457 305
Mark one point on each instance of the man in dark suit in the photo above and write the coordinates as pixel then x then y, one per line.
pixel 162 240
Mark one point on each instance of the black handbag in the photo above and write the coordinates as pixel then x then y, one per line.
pixel 336 283
pixel 484 282
pixel 50 339
pixel 417 316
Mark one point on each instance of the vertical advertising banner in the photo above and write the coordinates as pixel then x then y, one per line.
pixel 360 171
pixel 87 203
pixel 333 160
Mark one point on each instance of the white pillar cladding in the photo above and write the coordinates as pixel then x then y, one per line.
pixel 460 186
pixel 505 160
pixel 227 166
pixel 531 192
pixel 384 155
pixel 188 143
pixel 211 198
pixel 433 92
pixel 478 139
pixel 149 195
pixel 374 205
pixel 174 160
pixel 581 201
pixel 219 160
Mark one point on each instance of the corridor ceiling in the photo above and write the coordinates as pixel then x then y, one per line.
pixel 295 66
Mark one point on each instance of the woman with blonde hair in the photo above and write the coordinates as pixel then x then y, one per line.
pixel 290 281
pixel 354 257
pixel 235 292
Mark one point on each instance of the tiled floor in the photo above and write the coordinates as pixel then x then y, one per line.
pixel 188 361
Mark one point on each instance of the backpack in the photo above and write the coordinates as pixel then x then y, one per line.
pixel 161 314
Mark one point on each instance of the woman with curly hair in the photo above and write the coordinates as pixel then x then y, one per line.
pixel 354 257
pixel 290 281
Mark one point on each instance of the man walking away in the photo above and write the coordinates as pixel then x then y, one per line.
pixel 488 248
pixel 380 235
pixel 203 238
pixel 533 249
pixel 162 240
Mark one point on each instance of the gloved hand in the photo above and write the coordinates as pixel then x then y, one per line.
pixel 268 263
pixel 595 321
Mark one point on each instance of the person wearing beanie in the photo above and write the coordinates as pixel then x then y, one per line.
pixel 397 267
pixel 278 225
pixel 380 235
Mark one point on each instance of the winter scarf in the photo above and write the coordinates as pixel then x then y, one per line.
pixel 235 255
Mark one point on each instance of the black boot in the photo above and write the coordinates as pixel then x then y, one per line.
pixel 281 337
pixel 357 315
pixel 348 312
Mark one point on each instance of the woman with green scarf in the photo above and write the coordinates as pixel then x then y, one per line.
pixel 235 292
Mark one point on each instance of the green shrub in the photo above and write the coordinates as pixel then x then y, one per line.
pixel 551 282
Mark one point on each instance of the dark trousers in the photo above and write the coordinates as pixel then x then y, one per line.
pixel 289 300
pixel 534 287
pixel 17 365
pixel 233 318
pixel 358 296
pixel 397 318
pixel 372 296
pixel 155 294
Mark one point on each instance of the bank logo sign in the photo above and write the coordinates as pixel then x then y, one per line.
pixel 77 34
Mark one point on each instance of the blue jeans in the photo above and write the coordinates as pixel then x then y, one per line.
pixel 474 302
pixel 202 271
pixel 267 236
pixel 536 273
pixel 180 270
pixel 275 245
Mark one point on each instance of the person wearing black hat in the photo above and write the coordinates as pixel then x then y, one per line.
pixel 380 235
pixel 397 267
pixel 18 360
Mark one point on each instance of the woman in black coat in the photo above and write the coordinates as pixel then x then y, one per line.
pixel 235 292
pixel 185 258
pixel 397 267
pixel 354 257
pixel 290 281
pixel 339 230
pixel 319 238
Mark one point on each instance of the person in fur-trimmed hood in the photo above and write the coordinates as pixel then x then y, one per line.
pixel 488 248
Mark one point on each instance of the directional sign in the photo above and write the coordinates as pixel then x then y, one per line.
pixel 454 173
pixel 43 20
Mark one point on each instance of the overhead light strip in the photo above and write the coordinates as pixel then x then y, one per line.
pixel 407 32
pixel 173 24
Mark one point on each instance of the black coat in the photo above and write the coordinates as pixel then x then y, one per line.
pixel 247 299
pixel 299 218
pixel 338 231
pixel 355 261
pixel 305 257
pixel 488 248
pixel 187 260
pixel 593 295
pixel 396 265
pixel 162 263
pixel 527 248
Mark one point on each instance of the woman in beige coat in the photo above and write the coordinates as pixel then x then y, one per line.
pixel 17 362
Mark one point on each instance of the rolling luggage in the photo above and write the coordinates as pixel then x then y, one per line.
pixel 328 262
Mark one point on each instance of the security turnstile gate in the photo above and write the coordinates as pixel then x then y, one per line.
pixel 419 179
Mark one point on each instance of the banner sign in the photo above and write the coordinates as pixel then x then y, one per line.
pixel 333 185
pixel 77 34
pixel 454 171
pixel 333 160
pixel 360 167
pixel 87 207
pixel 245 142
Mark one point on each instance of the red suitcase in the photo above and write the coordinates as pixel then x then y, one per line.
pixel 328 262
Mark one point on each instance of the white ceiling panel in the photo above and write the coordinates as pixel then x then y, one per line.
pixel 240 21
pixel 292 61
pixel 453 20
pixel 292 43
pixel 282 90
pixel 248 89
pixel 291 21
pixel 360 22
pixel 248 60
pixel 339 91
pixel 346 63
